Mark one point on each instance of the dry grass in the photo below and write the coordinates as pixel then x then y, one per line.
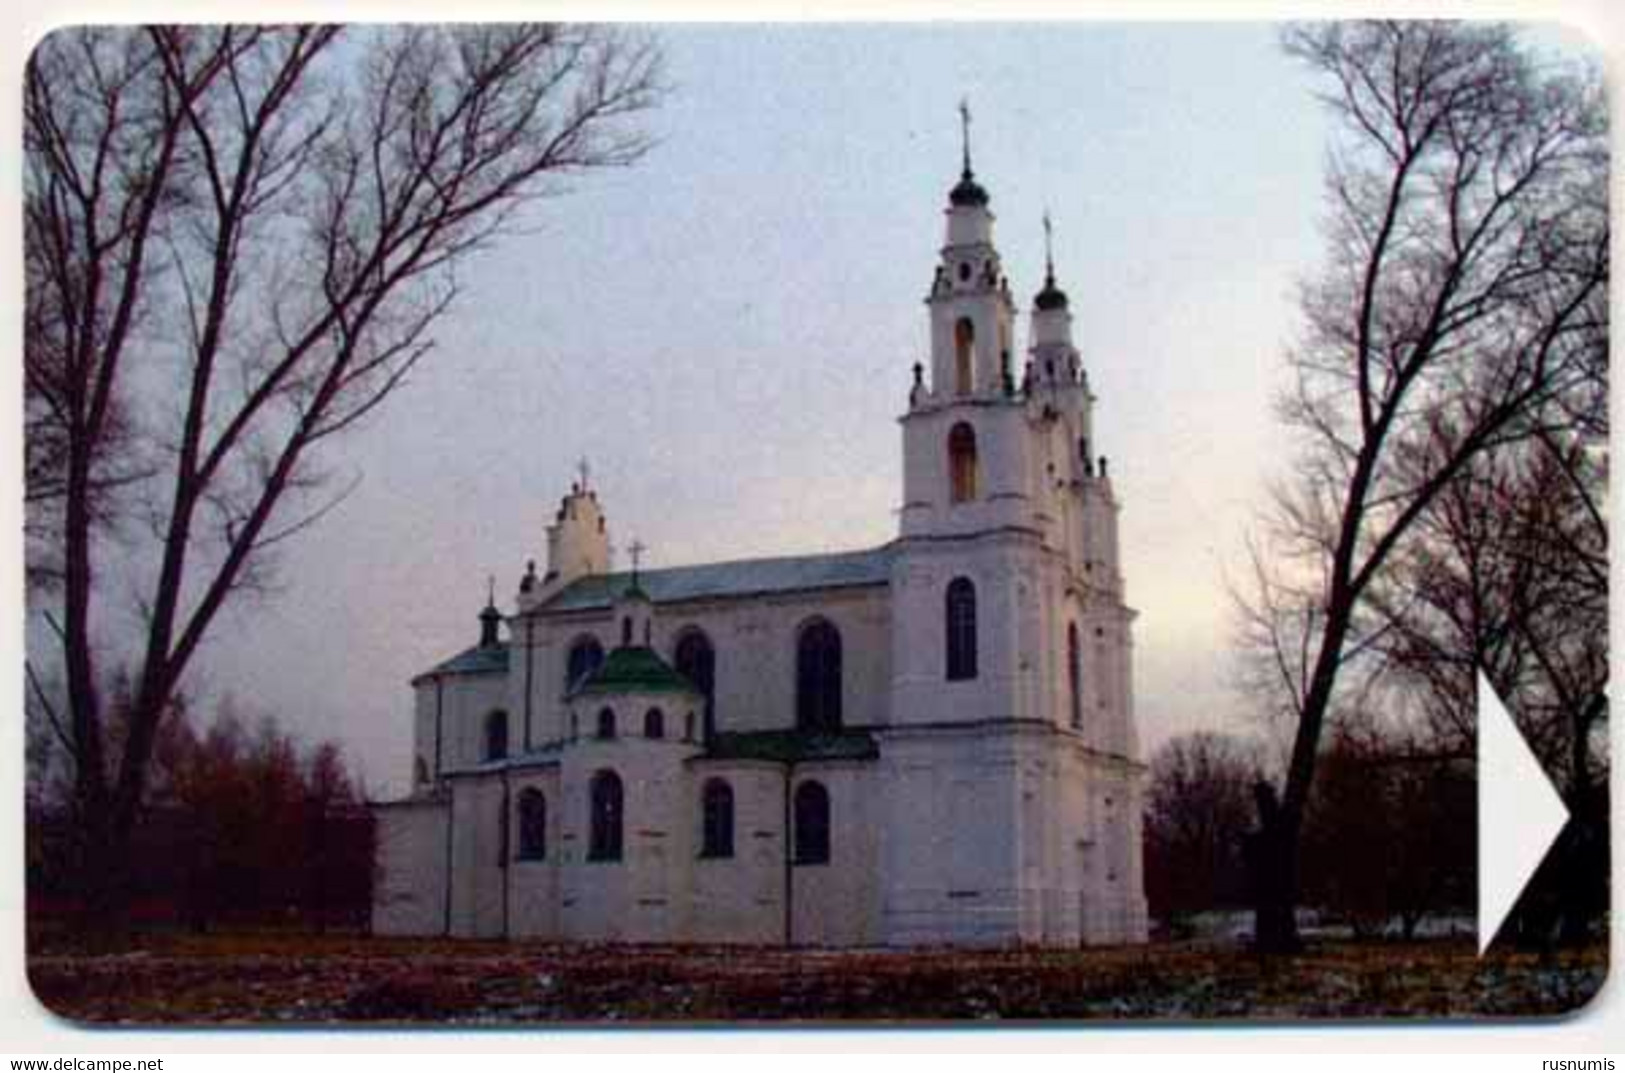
pixel 259 978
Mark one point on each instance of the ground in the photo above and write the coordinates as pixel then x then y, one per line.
pixel 258 978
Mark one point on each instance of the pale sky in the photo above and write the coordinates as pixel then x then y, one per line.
pixel 726 332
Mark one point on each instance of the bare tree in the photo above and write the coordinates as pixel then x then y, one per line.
pixel 239 240
pixel 1463 297
pixel 1197 815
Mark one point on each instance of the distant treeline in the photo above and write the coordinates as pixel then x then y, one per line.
pixel 240 827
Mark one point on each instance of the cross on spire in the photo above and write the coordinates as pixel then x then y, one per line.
pixel 490 590
pixel 636 549
pixel 964 131
pixel 585 470
pixel 1049 251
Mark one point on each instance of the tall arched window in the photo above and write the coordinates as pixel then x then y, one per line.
pixel 696 660
pixel 585 656
pixel 1074 673
pixel 811 824
pixel 496 735
pixel 964 355
pixel 818 677
pixel 606 817
pixel 626 632
pixel 420 772
pixel 502 834
pixel 717 819
pixel 654 724
pixel 960 621
pixel 606 723
pixel 962 463
pixel 532 825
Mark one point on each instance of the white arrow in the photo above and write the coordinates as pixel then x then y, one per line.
pixel 1519 813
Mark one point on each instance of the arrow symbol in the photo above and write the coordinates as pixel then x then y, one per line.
pixel 1519 813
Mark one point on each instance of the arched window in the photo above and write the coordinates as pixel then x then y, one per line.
pixel 420 772
pixel 696 660
pixel 606 723
pixel 502 833
pixel 717 819
pixel 818 677
pixel 960 620
pixel 532 825
pixel 962 463
pixel 688 727
pixel 626 632
pixel 1074 673
pixel 585 656
pixel 606 804
pixel 811 824
pixel 654 724
pixel 496 735
pixel 964 355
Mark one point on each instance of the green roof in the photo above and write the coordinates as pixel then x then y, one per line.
pixel 783 746
pixel 481 659
pixel 731 580
pixel 634 670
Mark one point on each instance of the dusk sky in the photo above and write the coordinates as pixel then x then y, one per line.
pixel 726 332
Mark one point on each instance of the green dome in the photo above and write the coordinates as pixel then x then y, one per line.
pixel 634 670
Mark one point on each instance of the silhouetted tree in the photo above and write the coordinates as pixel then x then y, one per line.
pixel 235 251
pixel 1198 812
pixel 1463 297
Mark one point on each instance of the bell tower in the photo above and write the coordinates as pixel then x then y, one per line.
pixel 971 308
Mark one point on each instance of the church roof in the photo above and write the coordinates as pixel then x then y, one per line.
pixel 480 659
pixel 634 670
pixel 792 745
pixel 744 577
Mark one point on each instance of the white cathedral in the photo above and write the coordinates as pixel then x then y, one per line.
pixel 929 742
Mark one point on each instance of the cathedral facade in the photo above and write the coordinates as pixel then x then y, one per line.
pixel 929 742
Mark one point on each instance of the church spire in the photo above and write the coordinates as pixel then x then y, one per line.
pixel 967 192
pixel 1051 297
pixel 490 618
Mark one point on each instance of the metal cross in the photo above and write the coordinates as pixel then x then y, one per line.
pixel 585 471
pixel 964 129
pixel 637 548
pixel 1049 252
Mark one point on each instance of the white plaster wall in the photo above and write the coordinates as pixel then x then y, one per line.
pixel 410 897
pixel 837 904
pixel 479 859
pixel 754 641
pixel 643 896
pixel 741 899
pixel 533 885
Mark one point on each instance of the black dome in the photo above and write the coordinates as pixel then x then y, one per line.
pixel 968 192
pixel 1051 297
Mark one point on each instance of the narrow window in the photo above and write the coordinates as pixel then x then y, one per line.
pixel 811 824
pixel 604 838
pixel 420 772
pixel 654 724
pixel 717 819
pixel 960 621
pixel 962 463
pixel 606 723
pixel 1074 674
pixel 496 735
pixel 818 677
pixel 696 661
pixel 688 727
pixel 585 656
pixel 626 632
pixel 502 834
pixel 964 354
pixel 532 825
